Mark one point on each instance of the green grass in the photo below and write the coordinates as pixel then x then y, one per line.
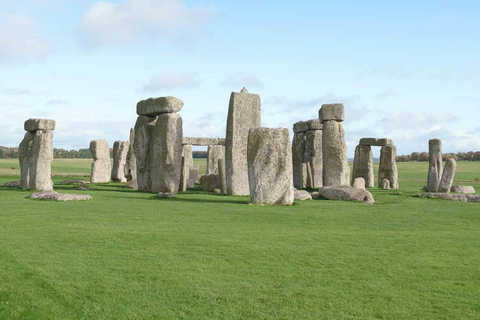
pixel 128 255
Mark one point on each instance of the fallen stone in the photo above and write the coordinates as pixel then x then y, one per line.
pixel 376 142
pixel 301 195
pixel 132 184
pixel 462 189
pixel 55 196
pixel 158 106
pixel 434 164
pixel 346 193
pixel 359 183
pixel 448 176
pixel 210 182
pixel 83 188
pixel 39 124
pixel 12 184
pixel 444 196
pixel 67 182
pixel 217 191
pixel 315 195
pixel 471 198
pixel 167 195
pixel 334 111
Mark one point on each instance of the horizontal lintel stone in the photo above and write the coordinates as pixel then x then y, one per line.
pixel 376 142
pixel 39 124
pixel 200 141
pixel 157 106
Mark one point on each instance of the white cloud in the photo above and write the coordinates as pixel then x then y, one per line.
pixel 387 93
pixel 56 103
pixel 240 80
pixel 170 81
pixel 107 23
pixel 19 41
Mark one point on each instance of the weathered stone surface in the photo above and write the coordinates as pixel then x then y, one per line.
pixel 300 126
pixel 41 157
pixel 315 195
pixel 363 165
pixel 301 195
pixel 83 188
pixel 462 189
pixel 298 154
pixel 313 156
pixel 388 166
pixel 167 195
pixel 336 171
pixel 143 138
pixel 55 196
pixel 346 193
pixel 376 142
pixel 448 176
pixel 435 164
pixel 101 172
pixel 120 151
pixel 12 184
pixel 132 184
pixel 210 182
pixel 193 176
pixel 166 153
pixel 444 196
pixel 158 106
pixel 217 191
pixel 270 166
pixel 39 124
pixel 243 115
pixel 384 184
pixel 473 198
pixel 68 182
pixel 187 162
pixel 200 141
pixel 24 159
pixel 334 111
pixel 222 175
pixel 359 183
pixel 131 164
pixel 214 152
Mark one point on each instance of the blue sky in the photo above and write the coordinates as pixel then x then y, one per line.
pixel 405 70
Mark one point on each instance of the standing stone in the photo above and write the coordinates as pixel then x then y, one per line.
pixel 24 158
pixel 166 153
pixel 101 172
pixel 131 165
pixel 243 115
pixel 385 184
pixel 448 176
pixel 223 176
pixel 298 154
pixel 193 176
pixel 270 166
pixel 435 164
pixel 120 150
pixel 359 183
pixel 336 171
pixel 313 156
pixel 214 153
pixel 143 136
pixel 363 165
pixel 187 163
pixel 41 157
pixel 388 166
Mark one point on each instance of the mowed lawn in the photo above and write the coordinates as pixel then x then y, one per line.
pixel 129 255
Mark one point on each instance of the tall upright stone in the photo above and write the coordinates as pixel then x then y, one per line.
pixel 298 154
pixel 363 165
pixel 313 156
pixel 142 140
pixel 222 175
pixel 448 175
pixel 187 163
pixel 101 172
pixel 131 164
pixel 336 171
pixel 214 153
pixel 244 113
pixel 434 164
pixel 270 166
pixel 120 151
pixel 388 166
pixel 24 158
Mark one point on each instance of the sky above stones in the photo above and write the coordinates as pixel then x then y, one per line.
pixel 405 70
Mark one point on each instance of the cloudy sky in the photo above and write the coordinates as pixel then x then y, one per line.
pixel 406 70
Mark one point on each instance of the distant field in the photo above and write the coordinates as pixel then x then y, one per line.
pixel 130 255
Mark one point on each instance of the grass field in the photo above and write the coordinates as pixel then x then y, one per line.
pixel 129 255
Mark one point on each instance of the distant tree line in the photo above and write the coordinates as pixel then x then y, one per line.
pixel 423 156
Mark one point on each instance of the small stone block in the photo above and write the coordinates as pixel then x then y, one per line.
pixel 376 142
pixel 39 124
pixel 334 111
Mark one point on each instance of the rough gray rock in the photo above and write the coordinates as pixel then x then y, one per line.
pixel 131 164
pixel 193 176
pixel 33 125
pixel 132 184
pixel 12 184
pixel 387 168
pixel 55 196
pixel 336 171
pixel 315 195
pixel 444 196
pixel 298 154
pixel 313 156
pixel 41 157
pixel 200 141
pixel 363 165
pixel 462 189
pixel 67 182
pixel 158 106
pixel 243 115
pixel 346 193
pixel 434 164
pixel 473 198
pixel 270 166
pixel 166 153
pixel 304 126
pixel 222 175
pixel 448 176
pixel 24 159
pixel 101 172
pixel 378 142
pixel 166 195
pixel 214 153
pixel 359 183
pixel 301 195
pixel 187 162
pixel 143 137
pixel 210 182
pixel 120 151
pixel 329 112
pixel 384 184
